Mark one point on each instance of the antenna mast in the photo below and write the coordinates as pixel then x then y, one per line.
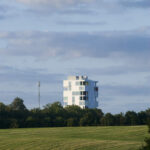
pixel 39 96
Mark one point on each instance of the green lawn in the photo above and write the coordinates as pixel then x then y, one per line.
pixel 73 138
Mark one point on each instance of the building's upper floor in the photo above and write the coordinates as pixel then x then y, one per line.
pixel 77 77
pixel 79 83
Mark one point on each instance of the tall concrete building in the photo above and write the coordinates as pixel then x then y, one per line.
pixel 79 90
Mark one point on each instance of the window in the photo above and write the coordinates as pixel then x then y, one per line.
pixel 77 83
pixel 86 83
pixel 69 86
pixel 81 103
pixel 81 88
pixel 96 89
pixel 73 100
pixel 65 88
pixel 83 92
pixel 65 98
pixel 83 98
pixel 75 93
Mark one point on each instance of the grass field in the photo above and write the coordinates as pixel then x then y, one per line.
pixel 73 138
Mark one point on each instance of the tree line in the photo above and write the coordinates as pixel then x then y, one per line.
pixel 16 115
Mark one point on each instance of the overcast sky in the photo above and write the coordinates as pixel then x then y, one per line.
pixel 47 40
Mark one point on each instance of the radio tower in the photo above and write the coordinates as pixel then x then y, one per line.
pixel 39 96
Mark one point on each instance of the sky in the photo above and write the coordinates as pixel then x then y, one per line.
pixel 48 40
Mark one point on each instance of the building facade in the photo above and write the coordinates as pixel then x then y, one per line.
pixel 79 90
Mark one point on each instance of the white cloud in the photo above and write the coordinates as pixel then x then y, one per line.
pixel 136 3
pixel 102 44
pixel 106 5
pixel 3 34
pixel 56 3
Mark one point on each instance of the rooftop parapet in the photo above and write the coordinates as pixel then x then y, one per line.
pixel 77 77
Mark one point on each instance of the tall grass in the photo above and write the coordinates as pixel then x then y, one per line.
pixel 73 138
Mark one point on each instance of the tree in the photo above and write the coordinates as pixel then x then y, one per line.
pixel 119 119
pixel 71 122
pixel 3 116
pixel 14 123
pixel 17 113
pixel 108 120
pixel 147 142
pixel 30 122
pixel 142 117
pixel 36 117
pixel 18 104
pixel 131 118
pixel 55 108
pixel 83 121
pixel 56 112
pixel 2 107
pixel 74 112
pixel 148 116
pixel 98 114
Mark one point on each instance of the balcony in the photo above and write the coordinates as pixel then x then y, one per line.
pixel 96 89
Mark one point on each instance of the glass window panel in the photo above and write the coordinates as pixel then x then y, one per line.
pixel 65 98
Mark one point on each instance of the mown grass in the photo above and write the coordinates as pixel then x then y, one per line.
pixel 73 138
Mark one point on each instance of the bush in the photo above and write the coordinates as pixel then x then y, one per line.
pixel 147 142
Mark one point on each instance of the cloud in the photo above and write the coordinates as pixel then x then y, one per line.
pixel 136 3
pixel 82 6
pixel 3 11
pixel 63 7
pixel 78 10
pixel 23 83
pixel 3 8
pixel 116 70
pixel 1 17
pixel 30 76
pixel 113 90
pixel 7 11
pixel 30 98
pixel 123 104
pixel 44 45
pixel 54 3
pixel 84 23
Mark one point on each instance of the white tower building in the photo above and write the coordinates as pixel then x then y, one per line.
pixel 79 90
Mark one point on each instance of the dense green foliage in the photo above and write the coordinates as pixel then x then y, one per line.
pixel 147 141
pixel 16 115
pixel 73 138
